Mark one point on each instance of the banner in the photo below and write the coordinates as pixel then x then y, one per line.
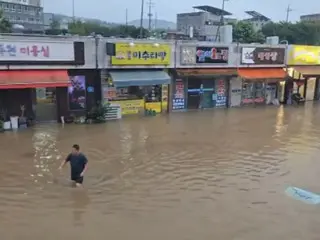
pixel 178 100
pixel 130 106
pixel 262 56
pixel 141 54
pixel 304 55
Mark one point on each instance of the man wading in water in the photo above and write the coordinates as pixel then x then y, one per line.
pixel 78 165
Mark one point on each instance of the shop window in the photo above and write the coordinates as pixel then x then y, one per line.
pixel 149 93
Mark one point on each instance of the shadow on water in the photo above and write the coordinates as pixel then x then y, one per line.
pixel 183 176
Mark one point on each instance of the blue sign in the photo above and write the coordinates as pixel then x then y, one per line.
pixel 177 103
pixel 221 101
pixel 90 89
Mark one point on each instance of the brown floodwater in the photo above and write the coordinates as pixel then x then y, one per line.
pixel 217 174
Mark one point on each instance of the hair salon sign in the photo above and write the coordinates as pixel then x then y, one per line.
pixel 30 51
pixel 262 56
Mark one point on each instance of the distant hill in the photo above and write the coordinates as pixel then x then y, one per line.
pixel 163 24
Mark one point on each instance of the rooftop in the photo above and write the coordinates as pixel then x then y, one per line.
pixel 213 10
pixel 257 16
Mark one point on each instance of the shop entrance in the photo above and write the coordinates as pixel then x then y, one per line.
pixel 46 106
pixel 194 97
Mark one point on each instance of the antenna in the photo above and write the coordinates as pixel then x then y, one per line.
pixel 150 5
pixel 289 10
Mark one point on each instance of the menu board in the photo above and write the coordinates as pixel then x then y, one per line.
pixel 179 98
pixel 221 99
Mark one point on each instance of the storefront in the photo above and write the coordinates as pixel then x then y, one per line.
pixel 32 86
pixel 205 84
pixel 304 71
pixel 133 83
pixel 263 76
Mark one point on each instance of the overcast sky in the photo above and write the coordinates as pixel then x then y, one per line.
pixel 114 10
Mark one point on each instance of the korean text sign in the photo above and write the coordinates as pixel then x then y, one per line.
pixel 304 55
pixel 142 54
pixel 36 51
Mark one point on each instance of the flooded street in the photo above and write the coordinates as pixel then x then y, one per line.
pixel 197 175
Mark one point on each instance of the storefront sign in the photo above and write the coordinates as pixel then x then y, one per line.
pixel 141 54
pixel 221 99
pixel 155 106
pixel 188 55
pixel 212 55
pixel 130 106
pixel 36 51
pixel 261 56
pixel 304 55
pixel 178 98
pixel 77 93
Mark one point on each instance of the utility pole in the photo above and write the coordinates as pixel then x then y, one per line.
pixel 289 10
pixel 126 17
pixel 221 21
pixel 73 12
pixel 150 5
pixel 141 19
pixel 155 20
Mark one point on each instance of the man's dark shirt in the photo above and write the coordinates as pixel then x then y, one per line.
pixel 77 164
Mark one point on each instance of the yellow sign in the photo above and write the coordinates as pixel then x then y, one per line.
pixel 304 55
pixel 164 98
pixel 130 106
pixel 142 54
pixel 155 106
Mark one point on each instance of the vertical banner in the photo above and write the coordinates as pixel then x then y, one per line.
pixel 178 98
pixel 221 100
pixel 164 97
pixel 77 93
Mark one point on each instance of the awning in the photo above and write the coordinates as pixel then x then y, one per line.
pixel 207 72
pixel 125 78
pixel 262 73
pixel 307 71
pixel 14 79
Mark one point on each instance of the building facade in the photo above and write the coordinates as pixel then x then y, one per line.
pixel 310 17
pixel 25 15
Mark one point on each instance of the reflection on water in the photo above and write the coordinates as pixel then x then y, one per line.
pixel 198 175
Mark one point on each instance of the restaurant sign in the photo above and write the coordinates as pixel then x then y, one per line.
pixel 141 54
pixel 30 51
pixel 212 55
pixel 304 55
pixel 262 56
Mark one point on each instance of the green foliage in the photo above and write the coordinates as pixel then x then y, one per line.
pixel 243 32
pixel 98 113
pixel 5 25
pixel 87 28
pixel 305 33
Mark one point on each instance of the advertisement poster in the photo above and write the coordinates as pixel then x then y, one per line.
pixel 77 93
pixel 178 99
pixel 221 100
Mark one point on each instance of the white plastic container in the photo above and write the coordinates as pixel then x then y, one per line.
pixel 7 125
pixel 14 122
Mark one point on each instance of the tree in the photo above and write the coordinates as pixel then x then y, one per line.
pixel 243 32
pixel 307 33
pixel 5 25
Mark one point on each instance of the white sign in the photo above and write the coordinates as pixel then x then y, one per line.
pixel 36 51
pixel 247 55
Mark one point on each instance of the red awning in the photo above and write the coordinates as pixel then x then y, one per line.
pixel 17 79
